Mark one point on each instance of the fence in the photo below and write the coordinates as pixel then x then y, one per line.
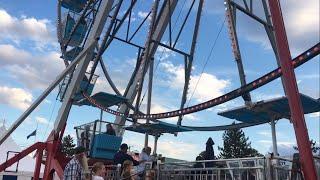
pixel 255 168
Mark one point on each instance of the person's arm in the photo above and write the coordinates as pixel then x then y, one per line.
pixel 135 163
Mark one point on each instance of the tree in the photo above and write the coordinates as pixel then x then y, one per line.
pixel 314 147
pixel 67 146
pixel 236 145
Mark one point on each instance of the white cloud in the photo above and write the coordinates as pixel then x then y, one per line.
pixel 41 120
pixel 157 108
pixel 285 148
pixel 34 71
pixel 164 53
pixel 265 133
pixel 11 55
pixel 178 149
pixel 26 28
pixel 261 96
pixel 143 15
pixel 190 117
pixel 208 87
pixel 301 22
pixel 315 115
pixel 167 147
pixel 15 97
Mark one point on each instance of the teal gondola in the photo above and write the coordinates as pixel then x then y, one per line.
pixel 74 5
pixel 78 35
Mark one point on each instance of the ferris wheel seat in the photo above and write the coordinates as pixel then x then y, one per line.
pixel 79 33
pixel 273 109
pixel 104 99
pixel 85 86
pixel 105 146
pixel 74 5
pixel 71 54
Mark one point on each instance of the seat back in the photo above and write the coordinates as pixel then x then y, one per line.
pixel 78 35
pixel 74 5
pixel 105 146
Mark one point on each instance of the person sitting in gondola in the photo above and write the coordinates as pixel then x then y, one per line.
pixel 110 130
pixel 85 137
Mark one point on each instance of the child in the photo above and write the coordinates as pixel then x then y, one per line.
pixel 99 171
pixel 127 170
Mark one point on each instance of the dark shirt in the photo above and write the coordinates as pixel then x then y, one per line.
pixel 120 157
pixel 111 132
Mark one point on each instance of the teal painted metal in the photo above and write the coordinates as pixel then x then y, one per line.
pixel 157 128
pixel 85 86
pixel 265 111
pixel 105 146
pixel 74 5
pixel 104 99
pixel 79 34
pixel 72 53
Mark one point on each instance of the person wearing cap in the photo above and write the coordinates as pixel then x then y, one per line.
pixel 77 166
pixel 122 156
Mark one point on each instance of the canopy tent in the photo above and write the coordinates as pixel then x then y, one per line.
pixel 26 164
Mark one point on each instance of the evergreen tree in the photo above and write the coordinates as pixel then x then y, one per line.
pixel 236 145
pixel 67 146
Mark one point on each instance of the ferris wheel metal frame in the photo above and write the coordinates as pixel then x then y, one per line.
pixel 106 14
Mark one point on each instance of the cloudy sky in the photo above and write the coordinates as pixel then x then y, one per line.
pixel 30 60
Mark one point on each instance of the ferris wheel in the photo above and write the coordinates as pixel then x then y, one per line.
pixel 76 24
pixel 87 28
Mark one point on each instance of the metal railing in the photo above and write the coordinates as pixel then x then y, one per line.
pixel 222 169
pixel 255 168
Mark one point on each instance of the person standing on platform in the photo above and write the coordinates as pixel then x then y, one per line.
pixel 122 156
pixel 77 167
pixel 143 158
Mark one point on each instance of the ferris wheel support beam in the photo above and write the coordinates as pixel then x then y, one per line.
pixel 267 23
pixel 189 59
pixel 99 23
pixel 231 18
pixel 292 92
pixel 146 54
pixel 160 27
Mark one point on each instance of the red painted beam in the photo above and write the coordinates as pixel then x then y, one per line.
pixel 22 154
pixel 57 167
pixel 292 92
pixel 37 169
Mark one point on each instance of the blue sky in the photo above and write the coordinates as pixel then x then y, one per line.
pixel 29 61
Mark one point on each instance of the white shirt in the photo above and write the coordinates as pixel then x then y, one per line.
pixel 97 178
pixel 145 158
